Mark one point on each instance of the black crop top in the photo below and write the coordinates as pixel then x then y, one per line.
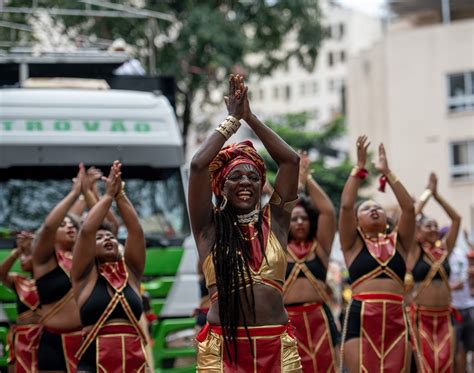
pixel 422 268
pixel 20 306
pixel 315 266
pixel 100 298
pixel 365 263
pixel 53 286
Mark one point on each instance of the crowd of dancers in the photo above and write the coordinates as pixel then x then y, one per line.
pixel 266 304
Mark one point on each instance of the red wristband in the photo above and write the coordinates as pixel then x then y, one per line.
pixel 382 183
pixel 360 173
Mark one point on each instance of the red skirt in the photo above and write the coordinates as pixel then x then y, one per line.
pixel 119 349
pixel 313 332
pixel 434 338
pixel 383 334
pixel 270 349
pixel 23 345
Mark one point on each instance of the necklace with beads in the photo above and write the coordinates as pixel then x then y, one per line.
pixel 251 217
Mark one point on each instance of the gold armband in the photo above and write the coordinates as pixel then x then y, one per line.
pixel 426 195
pixel 276 200
pixel 121 193
pixel 392 179
pixel 228 127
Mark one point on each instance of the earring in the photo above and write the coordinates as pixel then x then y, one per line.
pixel 223 203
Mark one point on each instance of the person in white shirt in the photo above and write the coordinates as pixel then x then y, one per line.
pixel 464 303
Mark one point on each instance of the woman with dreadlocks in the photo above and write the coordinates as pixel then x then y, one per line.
pixel 241 245
pixel 375 333
pixel 312 230
pixel 430 310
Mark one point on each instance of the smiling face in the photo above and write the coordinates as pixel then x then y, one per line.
pixel 242 187
pixel 106 246
pixel 66 234
pixel 371 217
pixel 427 231
pixel 299 224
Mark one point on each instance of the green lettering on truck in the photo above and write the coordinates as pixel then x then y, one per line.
pixel 117 125
pixel 34 125
pixel 62 125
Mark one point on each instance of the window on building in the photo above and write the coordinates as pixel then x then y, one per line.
pixel 342 56
pixel 315 114
pixel 261 94
pixel 462 160
pixel 276 92
pixel 341 30
pixel 330 58
pixel 328 31
pixel 461 92
pixel 287 92
pixel 315 87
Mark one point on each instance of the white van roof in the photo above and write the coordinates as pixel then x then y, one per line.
pixel 111 122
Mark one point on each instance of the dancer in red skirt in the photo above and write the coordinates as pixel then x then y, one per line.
pixel 52 260
pixel 431 314
pixel 312 231
pixel 375 334
pixel 242 246
pixel 107 286
pixel 23 337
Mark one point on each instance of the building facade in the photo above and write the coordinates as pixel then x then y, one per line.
pixel 414 91
pixel 318 92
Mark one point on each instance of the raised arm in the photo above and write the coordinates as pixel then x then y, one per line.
pixel 91 195
pixel 44 248
pixel 406 225
pixel 452 234
pixel 135 242
pixel 199 188
pixel 427 193
pixel 347 213
pixel 83 264
pixel 326 212
pixel 286 181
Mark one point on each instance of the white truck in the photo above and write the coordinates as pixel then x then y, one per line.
pixel 46 132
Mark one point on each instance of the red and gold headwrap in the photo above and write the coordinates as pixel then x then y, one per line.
pixel 230 156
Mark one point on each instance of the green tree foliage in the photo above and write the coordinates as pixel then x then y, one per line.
pixel 291 128
pixel 207 40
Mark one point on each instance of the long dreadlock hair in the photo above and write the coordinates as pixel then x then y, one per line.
pixel 231 255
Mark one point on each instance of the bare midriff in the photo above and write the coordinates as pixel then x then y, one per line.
pixel 436 294
pixel 379 285
pixel 28 320
pixel 302 291
pixel 67 318
pixel 268 305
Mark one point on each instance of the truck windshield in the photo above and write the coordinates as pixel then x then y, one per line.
pixel 27 196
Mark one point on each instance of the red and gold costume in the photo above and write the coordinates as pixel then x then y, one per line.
pixel 23 339
pixel 432 329
pixel 119 345
pixel 70 340
pixel 266 348
pixel 270 349
pixel 383 332
pixel 311 320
